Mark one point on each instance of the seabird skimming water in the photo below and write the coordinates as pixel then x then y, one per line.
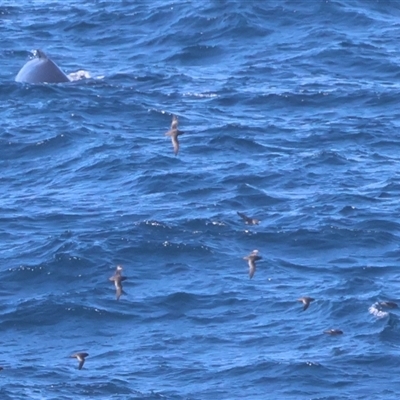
pixel 117 278
pixel 174 132
pixel 388 304
pixel 247 220
pixel 306 301
pixel 333 332
pixel 81 358
pixel 251 259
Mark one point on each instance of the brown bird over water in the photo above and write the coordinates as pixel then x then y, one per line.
pixel 81 358
pixel 333 332
pixel 174 132
pixel 247 220
pixel 388 304
pixel 117 278
pixel 251 259
pixel 306 301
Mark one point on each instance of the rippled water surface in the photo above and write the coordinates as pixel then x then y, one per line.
pixel 290 114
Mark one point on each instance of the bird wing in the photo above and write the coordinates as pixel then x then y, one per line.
pixel 174 124
pixel 389 304
pixel 252 268
pixel 243 216
pixel 175 143
pixel 81 362
pixel 306 305
pixel 117 283
pixel 118 288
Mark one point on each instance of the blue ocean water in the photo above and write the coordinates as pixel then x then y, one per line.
pixel 290 114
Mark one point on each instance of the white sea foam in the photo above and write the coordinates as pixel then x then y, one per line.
pixel 376 310
pixel 79 75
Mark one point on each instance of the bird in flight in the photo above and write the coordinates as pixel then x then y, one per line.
pixel 174 132
pixel 251 259
pixel 81 358
pixel 117 278
pixel 306 301
pixel 247 220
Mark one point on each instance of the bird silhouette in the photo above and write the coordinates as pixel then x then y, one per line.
pixel 81 358
pixel 174 132
pixel 248 220
pixel 306 301
pixel 117 278
pixel 251 259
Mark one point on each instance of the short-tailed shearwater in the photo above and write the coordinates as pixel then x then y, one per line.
pixel 388 304
pixel 251 259
pixel 333 331
pixel 81 358
pixel 247 220
pixel 117 278
pixel 174 132
pixel 306 301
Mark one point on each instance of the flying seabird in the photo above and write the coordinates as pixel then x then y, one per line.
pixel 333 332
pixel 81 358
pixel 174 132
pixel 306 301
pixel 247 220
pixel 388 304
pixel 252 258
pixel 117 278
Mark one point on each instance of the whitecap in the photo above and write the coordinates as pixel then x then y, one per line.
pixel 375 310
pixel 78 75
